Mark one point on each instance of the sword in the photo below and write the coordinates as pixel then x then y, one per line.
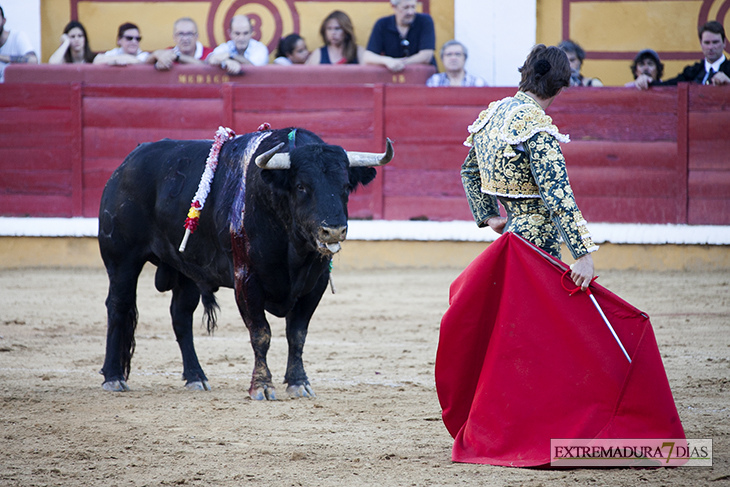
pixel 600 311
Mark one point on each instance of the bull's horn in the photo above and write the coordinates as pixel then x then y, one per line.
pixel 271 160
pixel 371 158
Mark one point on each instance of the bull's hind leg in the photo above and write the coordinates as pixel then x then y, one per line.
pixel 185 299
pixel 297 325
pixel 121 308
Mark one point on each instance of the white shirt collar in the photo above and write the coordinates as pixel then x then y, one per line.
pixel 715 66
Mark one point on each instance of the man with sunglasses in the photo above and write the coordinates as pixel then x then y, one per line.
pixel 187 49
pixel 128 52
pixel 406 37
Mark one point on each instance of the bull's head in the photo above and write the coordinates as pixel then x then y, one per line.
pixel 318 179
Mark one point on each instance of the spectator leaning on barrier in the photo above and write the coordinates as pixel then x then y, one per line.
pixel 128 52
pixel 340 45
pixel 291 50
pixel 14 48
pixel 187 48
pixel 406 37
pixel 74 46
pixel 576 55
pixel 714 69
pixel 241 50
pixel 647 67
pixel 453 57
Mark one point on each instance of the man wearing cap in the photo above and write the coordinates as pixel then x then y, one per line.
pixel 714 69
pixel 646 65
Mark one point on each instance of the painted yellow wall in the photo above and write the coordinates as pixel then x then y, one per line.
pixel 626 26
pixel 155 20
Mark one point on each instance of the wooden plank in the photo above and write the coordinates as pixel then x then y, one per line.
pixel 682 197
pixel 50 158
pixel 426 208
pixel 709 212
pixel 709 185
pixel 118 142
pixel 709 154
pixel 708 99
pixel 36 120
pixel 626 126
pixel 620 182
pixel 35 96
pixel 35 182
pixel 292 98
pixel 76 152
pixel 610 209
pixel 595 153
pixel 323 123
pixel 421 96
pixel 151 91
pixel 92 201
pixel 709 126
pixel 657 102
pixel 422 183
pixel 36 205
pixel 434 124
pixel 153 113
pixel 429 156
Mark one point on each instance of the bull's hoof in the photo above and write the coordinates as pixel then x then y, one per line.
pixel 264 392
pixel 115 386
pixel 300 390
pixel 198 385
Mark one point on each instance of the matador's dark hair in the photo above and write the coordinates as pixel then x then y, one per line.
pixel 545 72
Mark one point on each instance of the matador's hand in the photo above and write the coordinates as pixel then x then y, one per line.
pixel 497 223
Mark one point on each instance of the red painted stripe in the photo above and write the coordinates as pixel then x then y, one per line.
pixel 663 55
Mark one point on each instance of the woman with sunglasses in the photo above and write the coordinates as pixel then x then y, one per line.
pixel 74 46
pixel 128 52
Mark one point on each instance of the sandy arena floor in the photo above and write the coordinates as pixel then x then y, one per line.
pixel 370 357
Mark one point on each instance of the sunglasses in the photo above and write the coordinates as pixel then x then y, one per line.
pixel 132 38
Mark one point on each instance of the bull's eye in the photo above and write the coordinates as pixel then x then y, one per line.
pixel 300 187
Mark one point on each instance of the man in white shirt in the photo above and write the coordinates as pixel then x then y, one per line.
pixel 14 48
pixel 241 49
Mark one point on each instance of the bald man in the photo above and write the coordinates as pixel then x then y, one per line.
pixel 241 50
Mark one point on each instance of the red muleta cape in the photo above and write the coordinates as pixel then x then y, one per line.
pixel 521 362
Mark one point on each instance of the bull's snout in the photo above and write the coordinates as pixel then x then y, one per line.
pixel 329 238
pixel 332 234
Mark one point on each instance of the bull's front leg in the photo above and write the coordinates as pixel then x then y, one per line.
pixel 250 301
pixel 297 325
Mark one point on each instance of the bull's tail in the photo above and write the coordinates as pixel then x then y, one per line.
pixel 210 310
pixel 127 342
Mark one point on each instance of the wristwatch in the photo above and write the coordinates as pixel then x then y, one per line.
pixel 177 57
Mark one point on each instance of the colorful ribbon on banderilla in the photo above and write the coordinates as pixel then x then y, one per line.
pixel 222 135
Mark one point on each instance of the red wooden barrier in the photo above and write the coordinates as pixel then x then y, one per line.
pixel 653 157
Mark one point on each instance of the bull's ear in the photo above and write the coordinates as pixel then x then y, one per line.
pixel 360 175
pixel 277 179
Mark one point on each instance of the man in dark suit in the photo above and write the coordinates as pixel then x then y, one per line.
pixel 714 69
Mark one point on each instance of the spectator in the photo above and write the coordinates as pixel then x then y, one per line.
pixel 292 50
pixel 453 57
pixel 187 48
pixel 128 52
pixel 340 46
pixel 646 65
pixel 576 55
pixel 241 49
pixel 74 46
pixel 714 69
pixel 14 48
pixel 404 38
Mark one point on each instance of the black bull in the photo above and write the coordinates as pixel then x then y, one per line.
pixel 268 229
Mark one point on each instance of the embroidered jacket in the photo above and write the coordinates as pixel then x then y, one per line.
pixel 515 154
